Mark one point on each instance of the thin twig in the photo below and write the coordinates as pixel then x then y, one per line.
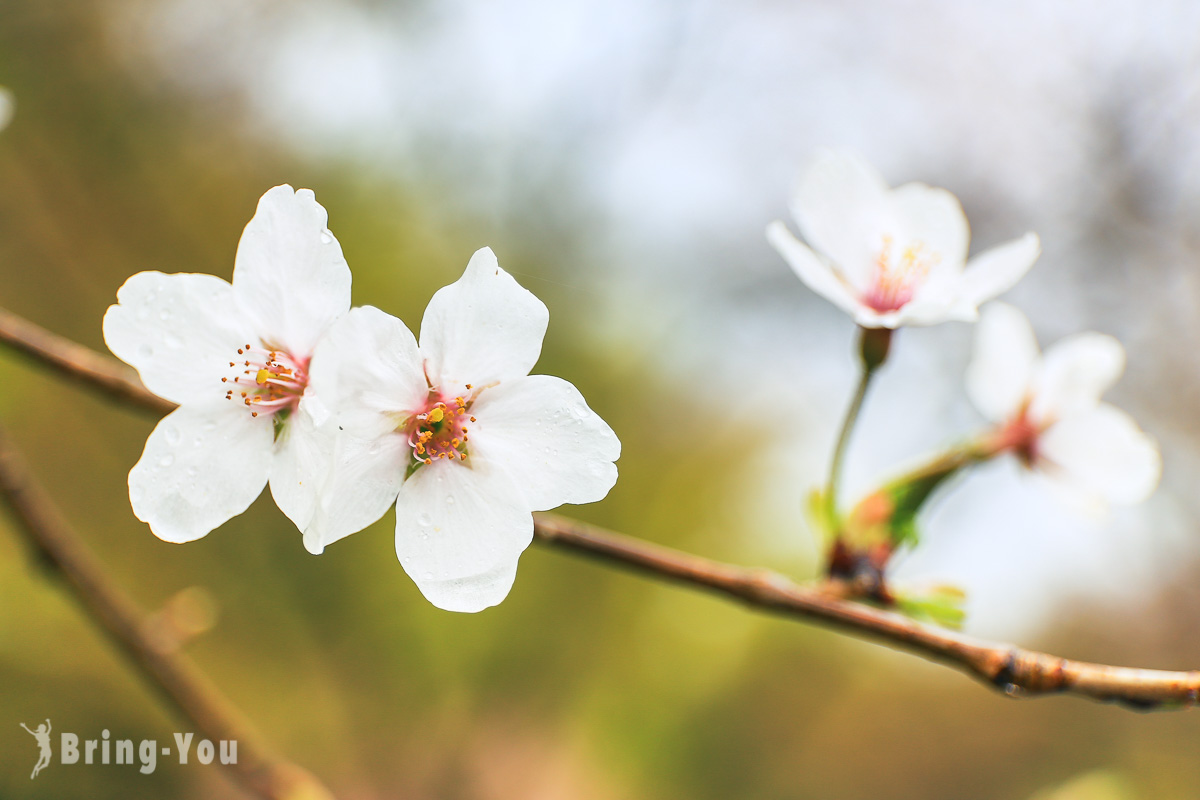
pixel 76 362
pixel 843 440
pixel 172 673
pixel 1013 670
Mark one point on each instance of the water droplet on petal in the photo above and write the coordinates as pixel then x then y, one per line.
pixel 172 434
pixel 145 351
pixel 173 341
pixel 210 425
pixel 450 500
pixel 192 472
pixel 135 493
pixel 199 440
pixel 166 460
pixel 326 237
pixel 424 520
pixel 165 314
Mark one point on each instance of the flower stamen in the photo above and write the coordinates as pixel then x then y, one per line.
pixel 898 274
pixel 438 431
pixel 275 380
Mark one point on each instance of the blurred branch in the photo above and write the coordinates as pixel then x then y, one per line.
pixel 1014 670
pixel 78 363
pixel 173 674
pixel 1018 672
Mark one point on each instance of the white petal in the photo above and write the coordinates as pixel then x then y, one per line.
pixel 1104 453
pixel 1075 372
pixel 815 273
pixel 289 274
pixel 366 371
pixel 459 533
pixel 842 209
pixel 361 483
pixel 1004 362
pixel 179 332
pixel 936 301
pixel 993 272
pixel 540 430
pixel 932 220
pixel 199 469
pixel 482 328
pixel 303 453
pixel 7 106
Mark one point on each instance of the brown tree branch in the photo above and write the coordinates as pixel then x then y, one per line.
pixel 1011 669
pixel 176 677
pixel 1016 671
pixel 78 363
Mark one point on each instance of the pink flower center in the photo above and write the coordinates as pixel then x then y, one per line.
pixel 898 274
pixel 440 429
pixel 1020 435
pixel 266 380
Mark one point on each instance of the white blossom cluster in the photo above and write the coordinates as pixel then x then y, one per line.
pixel 343 413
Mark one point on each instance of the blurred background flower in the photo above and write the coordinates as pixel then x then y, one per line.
pixel 622 158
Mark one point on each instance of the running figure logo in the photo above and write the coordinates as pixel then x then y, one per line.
pixel 42 734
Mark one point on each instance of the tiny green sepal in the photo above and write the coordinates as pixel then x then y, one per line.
pixel 280 420
pixel 941 605
pixel 821 516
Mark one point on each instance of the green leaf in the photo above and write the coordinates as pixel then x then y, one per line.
pixel 941 605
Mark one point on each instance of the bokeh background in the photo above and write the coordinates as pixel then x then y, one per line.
pixel 623 159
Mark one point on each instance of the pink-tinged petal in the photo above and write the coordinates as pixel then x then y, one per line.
pixel 540 430
pixel 361 481
pixel 367 372
pixel 1103 453
pixel 841 205
pixel 460 530
pixel 289 275
pixel 200 468
pixel 815 273
pixel 935 301
pixel 179 332
pixel 482 328
pixel 1075 372
pixel 993 272
pixel 932 222
pixel 1004 363
pixel 302 457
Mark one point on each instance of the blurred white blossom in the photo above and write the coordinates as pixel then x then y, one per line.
pixel 1050 411
pixel 7 107
pixel 891 257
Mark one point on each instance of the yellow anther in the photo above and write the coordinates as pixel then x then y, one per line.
pixel 436 414
pixel 262 376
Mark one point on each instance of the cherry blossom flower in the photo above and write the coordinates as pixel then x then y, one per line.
pixel 891 257
pixel 456 434
pixel 235 359
pixel 1049 410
